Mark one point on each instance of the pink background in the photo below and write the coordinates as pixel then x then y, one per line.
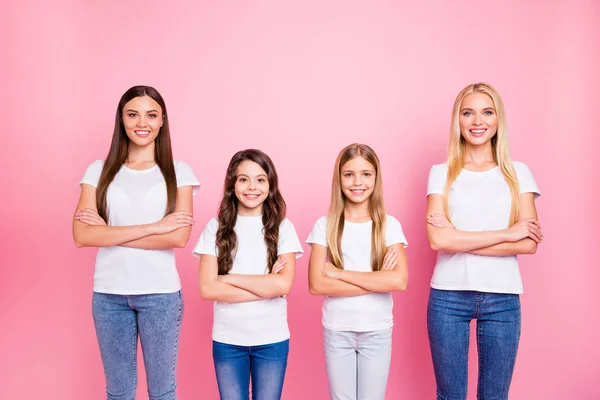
pixel 299 80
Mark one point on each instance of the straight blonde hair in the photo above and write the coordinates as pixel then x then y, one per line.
pixel 456 147
pixel 335 221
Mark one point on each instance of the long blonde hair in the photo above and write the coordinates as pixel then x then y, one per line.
pixel 456 147
pixel 335 221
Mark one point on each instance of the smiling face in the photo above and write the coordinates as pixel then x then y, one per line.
pixel 251 188
pixel 142 119
pixel 478 119
pixel 358 180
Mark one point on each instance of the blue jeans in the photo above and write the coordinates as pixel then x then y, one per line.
pixel 157 319
pixel 265 363
pixel 498 316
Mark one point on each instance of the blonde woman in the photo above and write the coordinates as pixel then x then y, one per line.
pixel 480 216
pixel 357 259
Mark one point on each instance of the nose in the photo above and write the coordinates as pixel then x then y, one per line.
pixel 477 120
pixel 142 121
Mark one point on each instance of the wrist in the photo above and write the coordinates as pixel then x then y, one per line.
pixel 150 229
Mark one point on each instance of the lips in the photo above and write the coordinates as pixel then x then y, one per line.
pixel 357 192
pixel 251 196
pixel 142 134
pixel 477 132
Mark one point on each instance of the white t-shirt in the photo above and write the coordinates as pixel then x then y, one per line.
pixel 258 322
pixel 137 198
pixel 367 312
pixel 479 201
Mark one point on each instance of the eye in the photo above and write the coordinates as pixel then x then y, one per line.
pixel 347 175
pixel 152 115
pixel 261 180
pixel 367 174
pixel 489 112
pixel 467 113
pixel 242 179
pixel 132 115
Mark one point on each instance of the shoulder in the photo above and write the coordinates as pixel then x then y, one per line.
pixel 96 166
pixel 181 165
pixel 321 222
pixel 522 170
pixel 520 166
pixel 212 225
pixel 92 173
pixel 392 221
pixel 392 224
pixel 439 169
pixel 286 224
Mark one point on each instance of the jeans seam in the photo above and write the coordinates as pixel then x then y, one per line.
pixel 174 365
pixel 481 366
pixel 135 334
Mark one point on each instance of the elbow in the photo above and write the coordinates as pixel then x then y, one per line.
pixel 205 293
pixel 313 289
pixel 278 290
pixel 532 248
pixel 179 244
pixel 400 284
pixel 79 243
pixel 181 240
pixel 284 289
pixel 206 296
pixel 434 243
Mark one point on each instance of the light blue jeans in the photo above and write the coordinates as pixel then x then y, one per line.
pixel 157 319
pixel 358 363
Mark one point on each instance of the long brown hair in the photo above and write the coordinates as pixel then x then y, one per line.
pixel 117 155
pixel 499 142
pixel 274 209
pixel 335 220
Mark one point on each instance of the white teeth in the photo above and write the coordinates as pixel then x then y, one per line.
pixel 477 130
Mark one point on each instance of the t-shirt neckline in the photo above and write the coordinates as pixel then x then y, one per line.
pixel 140 171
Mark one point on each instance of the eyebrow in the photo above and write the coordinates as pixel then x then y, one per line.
pixel 470 109
pixel 136 111
pixel 364 170
pixel 257 176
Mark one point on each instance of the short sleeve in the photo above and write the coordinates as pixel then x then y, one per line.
pixel 393 232
pixel 526 182
pixel 207 243
pixel 185 176
pixel 288 240
pixel 92 173
pixel 437 179
pixel 318 235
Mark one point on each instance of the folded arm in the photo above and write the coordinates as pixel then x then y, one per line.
pixel 90 230
pixel 275 284
pixel 444 237
pixel 211 288
pixel 385 280
pixel 174 239
pixel 523 246
pixel 321 284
